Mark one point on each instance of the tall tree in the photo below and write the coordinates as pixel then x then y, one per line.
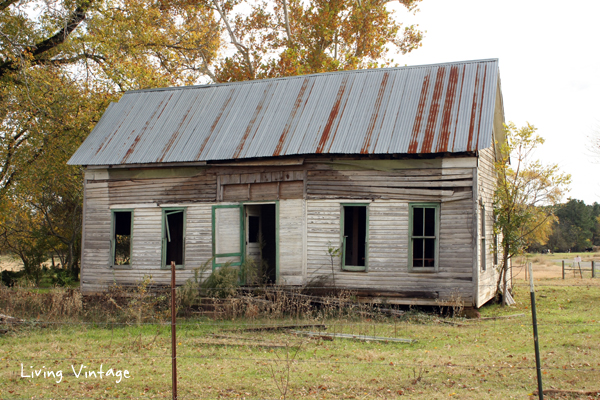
pixel 524 185
pixel 100 48
pixel 61 63
pixel 295 37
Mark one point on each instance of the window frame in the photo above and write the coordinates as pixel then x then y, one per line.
pixel 163 250
pixel 113 247
pixel 411 207
pixel 353 268
pixel 483 250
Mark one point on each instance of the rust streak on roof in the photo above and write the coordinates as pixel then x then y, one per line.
pixel 481 105
pixel 288 124
pixel 334 112
pixel 473 111
pixel 444 137
pixel 367 142
pixel 112 136
pixel 215 123
pixel 414 142
pixel 458 108
pixel 160 109
pixel 174 135
pixel 433 111
pixel 250 125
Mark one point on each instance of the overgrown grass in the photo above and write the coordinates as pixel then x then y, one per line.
pixel 467 359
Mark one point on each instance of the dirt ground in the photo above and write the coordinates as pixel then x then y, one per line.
pixel 547 269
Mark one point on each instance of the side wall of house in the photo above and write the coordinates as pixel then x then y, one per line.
pixel 486 261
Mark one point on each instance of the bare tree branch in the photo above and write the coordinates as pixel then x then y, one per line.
pixel 287 22
pixel 241 48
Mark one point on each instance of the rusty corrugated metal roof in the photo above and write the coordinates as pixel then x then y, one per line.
pixel 422 109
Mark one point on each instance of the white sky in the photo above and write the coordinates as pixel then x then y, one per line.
pixel 549 54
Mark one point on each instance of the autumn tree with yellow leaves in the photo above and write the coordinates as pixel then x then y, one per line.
pixel 525 196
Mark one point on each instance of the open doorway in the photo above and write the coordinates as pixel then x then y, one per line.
pixel 261 241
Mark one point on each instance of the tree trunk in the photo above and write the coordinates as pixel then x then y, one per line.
pixel 503 278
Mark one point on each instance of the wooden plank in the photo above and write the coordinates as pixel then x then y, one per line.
pixel 330 189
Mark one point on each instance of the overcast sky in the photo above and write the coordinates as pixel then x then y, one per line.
pixel 549 54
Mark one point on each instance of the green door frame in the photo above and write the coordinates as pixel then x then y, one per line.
pixel 242 255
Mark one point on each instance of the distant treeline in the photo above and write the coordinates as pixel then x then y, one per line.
pixel 576 228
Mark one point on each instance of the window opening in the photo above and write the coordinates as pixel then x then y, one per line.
pixel 121 240
pixel 355 236
pixel 173 236
pixel 253 228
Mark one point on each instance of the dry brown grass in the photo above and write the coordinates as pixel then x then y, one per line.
pixel 9 263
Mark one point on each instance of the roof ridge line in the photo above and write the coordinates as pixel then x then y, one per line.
pixel 365 70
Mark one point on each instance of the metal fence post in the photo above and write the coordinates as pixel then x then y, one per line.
pixel 593 269
pixel 535 336
pixel 173 332
pixel 563 268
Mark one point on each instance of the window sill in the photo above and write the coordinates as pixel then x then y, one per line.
pixel 168 267
pixel 353 268
pixel 426 270
pixel 128 266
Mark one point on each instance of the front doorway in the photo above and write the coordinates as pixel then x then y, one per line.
pixel 260 242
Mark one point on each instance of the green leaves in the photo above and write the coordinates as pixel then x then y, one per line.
pixel 526 191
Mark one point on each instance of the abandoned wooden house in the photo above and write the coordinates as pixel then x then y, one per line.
pixel 393 167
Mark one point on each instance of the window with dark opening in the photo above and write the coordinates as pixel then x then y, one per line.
pixel 424 235
pixel 253 228
pixel 121 237
pixel 354 251
pixel 173 237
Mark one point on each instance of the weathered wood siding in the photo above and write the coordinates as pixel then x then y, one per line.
pixel 291 241
pixel 96 242
pixel 102 195
pixel 486 183
pixel 388 252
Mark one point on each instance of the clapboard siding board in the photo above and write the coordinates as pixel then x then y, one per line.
pixel 164 190
pixel 412 185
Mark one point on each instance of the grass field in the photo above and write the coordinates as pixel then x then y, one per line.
pixel 489 358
